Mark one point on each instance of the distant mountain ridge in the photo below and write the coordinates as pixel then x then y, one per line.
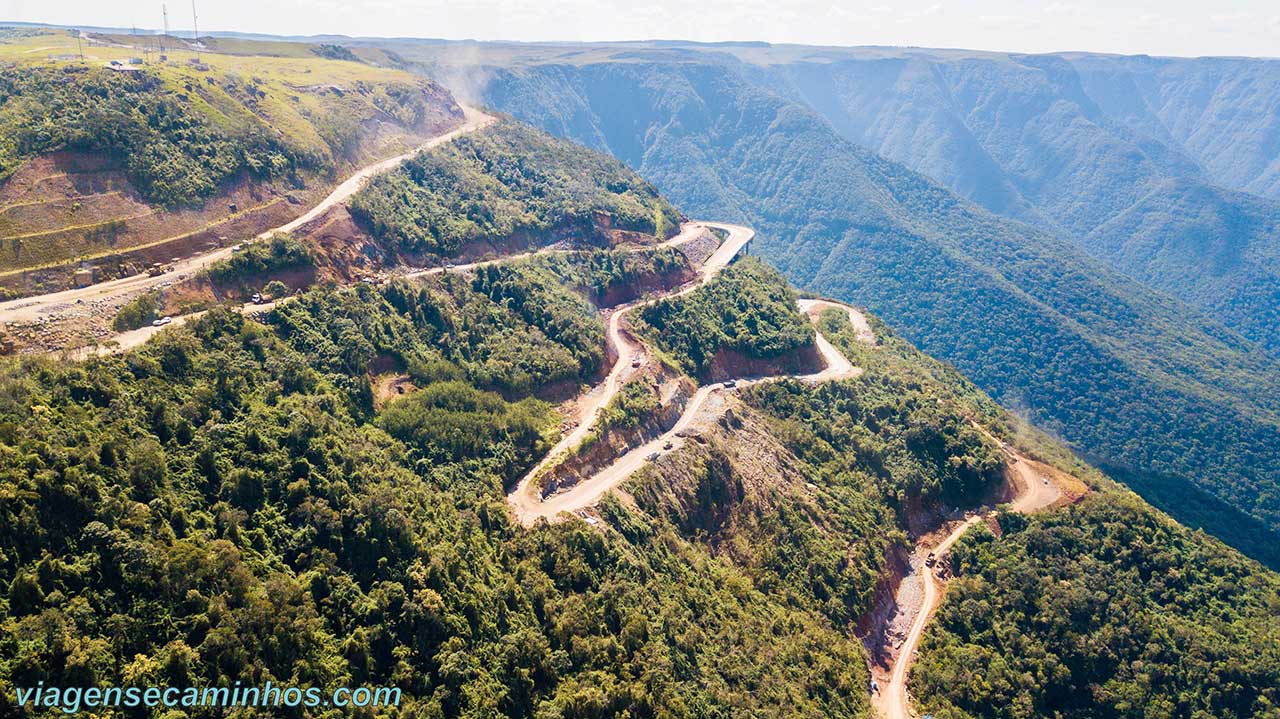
pixel 1167 168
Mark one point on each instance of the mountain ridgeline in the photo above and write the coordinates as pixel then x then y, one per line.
pixel 1130 376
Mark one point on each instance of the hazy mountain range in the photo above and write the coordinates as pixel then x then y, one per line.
pixel 1167 168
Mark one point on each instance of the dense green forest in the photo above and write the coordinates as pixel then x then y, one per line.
pixel 1105 609
pixel 502 181
pixel 510 329
pixel 748 308
pixel 224 504
pixel 934 453
pixel 1130 377
pixel 179 138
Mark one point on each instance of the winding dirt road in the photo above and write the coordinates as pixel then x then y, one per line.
pixel 133 338
pixel 688 231
pixel 892 699
pixel 28 309
pixel 1035 490
pixel 1036 485
pixel 526 500
pixel 529 506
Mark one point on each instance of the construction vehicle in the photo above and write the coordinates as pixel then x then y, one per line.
pixel 156 269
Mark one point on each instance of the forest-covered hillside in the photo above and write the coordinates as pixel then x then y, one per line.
pixel 504 181
pixel 313 492
pixel 181 133
pixel 226 502
pixel 749 311
pixel 499 190
pixel 1102 610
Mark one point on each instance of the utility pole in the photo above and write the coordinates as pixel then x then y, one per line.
pixel 164 9
pixel 80 44
pixel 195 23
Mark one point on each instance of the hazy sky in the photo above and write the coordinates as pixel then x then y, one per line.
pixel 1164 27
